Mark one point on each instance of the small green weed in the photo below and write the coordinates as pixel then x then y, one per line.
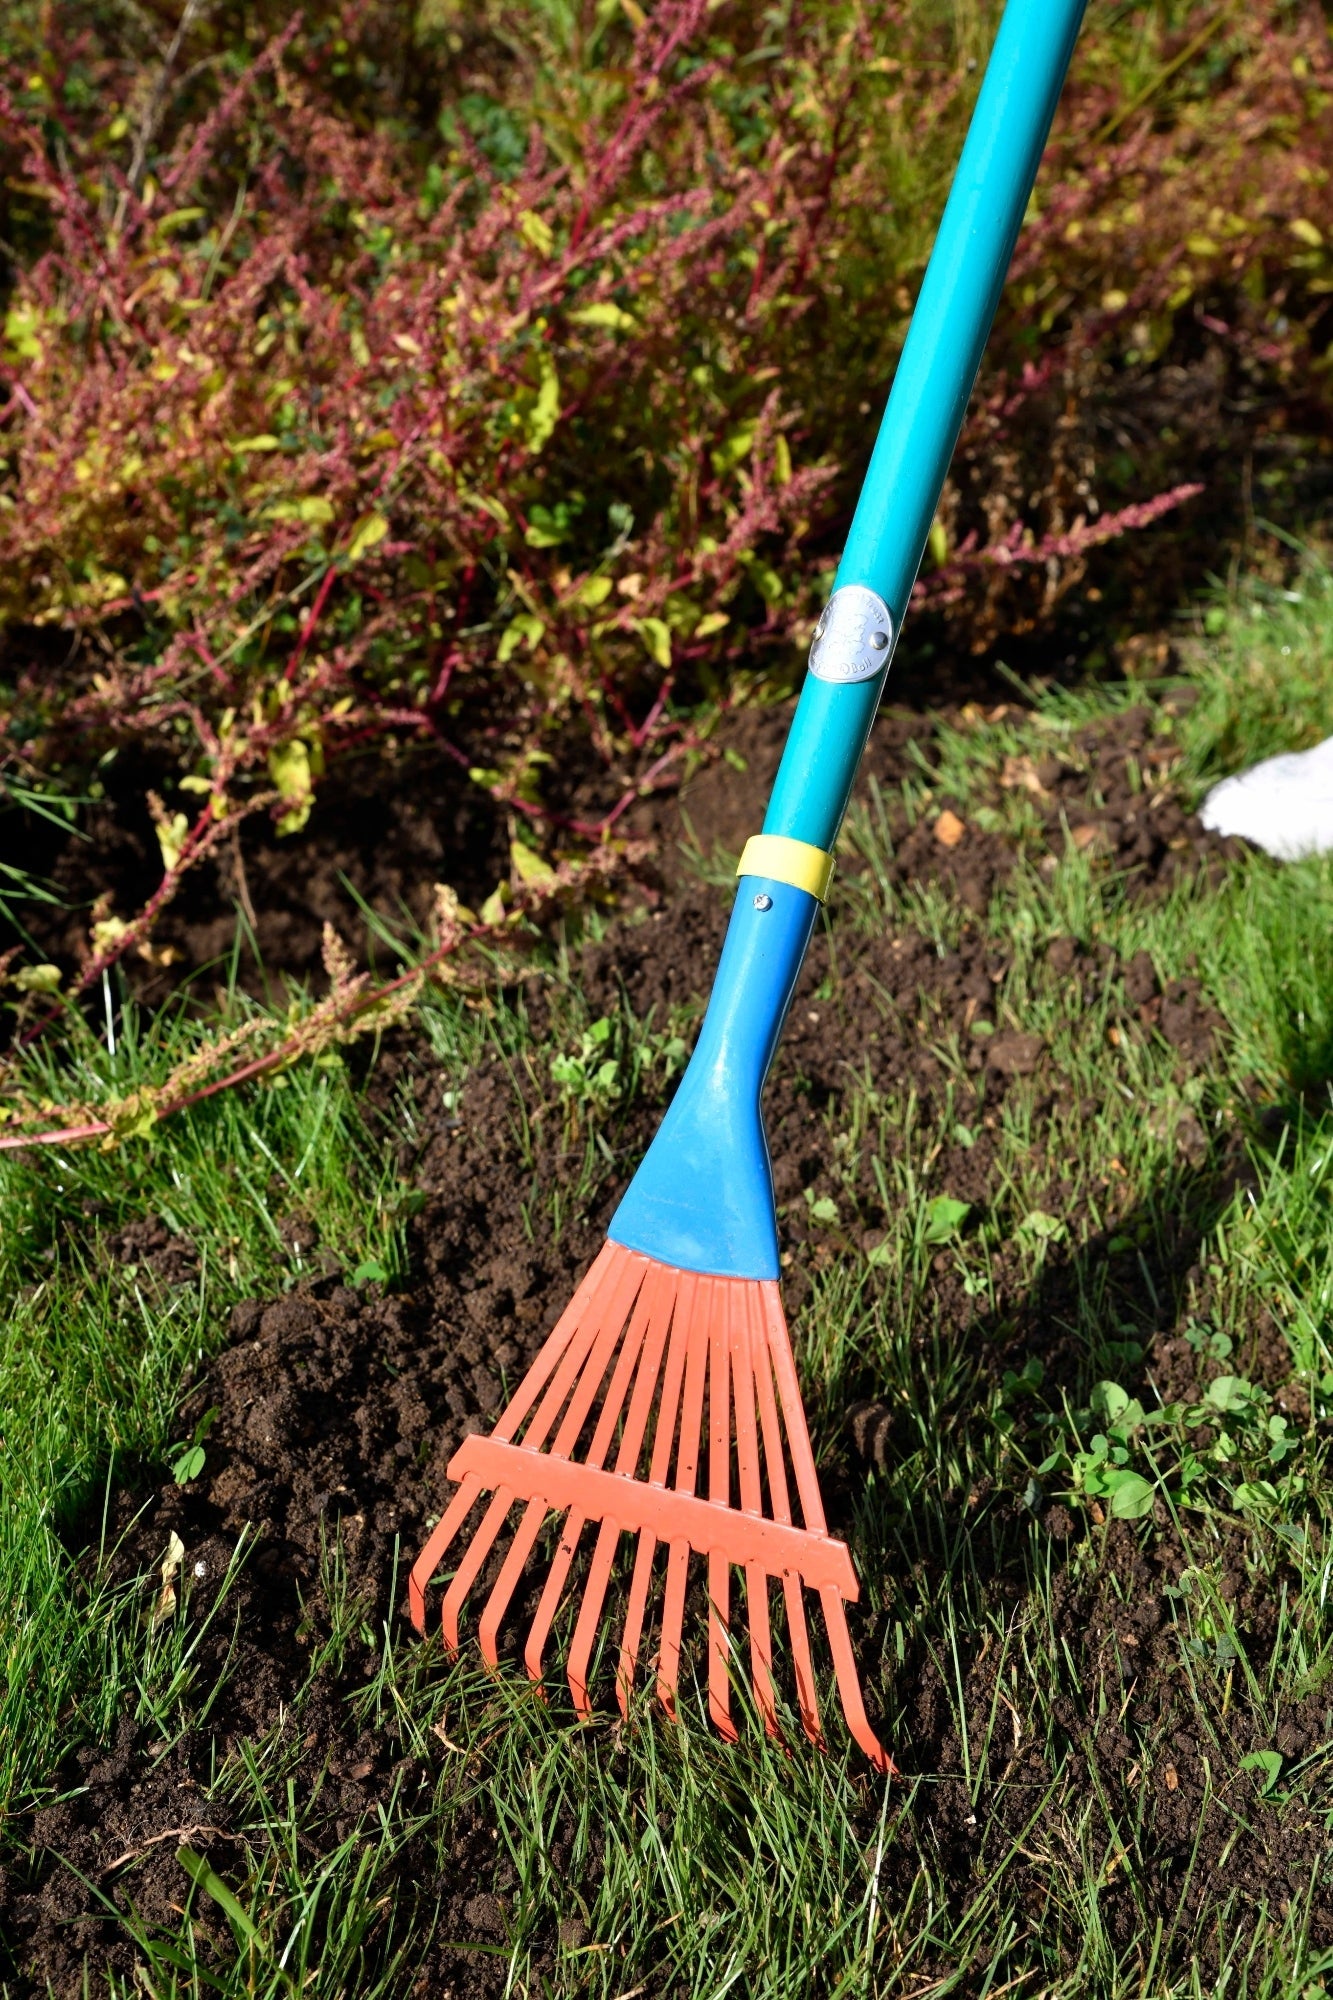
pixel 616 1056
pixel 191 1457
pixel 1232 1449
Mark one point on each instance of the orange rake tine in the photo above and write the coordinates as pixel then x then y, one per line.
pixel 584 1362
pixel 596 1339
pixel 655 1299
pixel 426 1564
pixel 567 1437
pixel 812 1506
pixel 660 1466
pixel 549 1602
pixel 806 1698
pixel 635 1612
pixel 600 1275
pixel 474 1556
pixel 590 1612
pixel 606 1284
pixel 747 1460
pixel 849 1683
pixel 793 1409
pixel 525 1535
pixel 687 1466
pixel 593 1364
pixel 719 1493
pixel 583 1311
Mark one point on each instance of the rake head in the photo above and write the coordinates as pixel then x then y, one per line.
pixel 608 1426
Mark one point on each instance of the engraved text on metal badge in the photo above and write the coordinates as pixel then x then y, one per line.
pixel 854 639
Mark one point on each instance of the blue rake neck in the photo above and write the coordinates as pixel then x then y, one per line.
pixel 703 1197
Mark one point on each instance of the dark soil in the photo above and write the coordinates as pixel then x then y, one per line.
pixel 339 1409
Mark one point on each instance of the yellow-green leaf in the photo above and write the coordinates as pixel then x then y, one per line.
pixel 604 313
pixel 493 909
pixel 108 933
pixel 178 219
pixel 172 832
pixel 542 417
pixel 21 332
pixel 264 442
pixel 525 629
pixel 289 768
pixel 293 821
pixel 1307 232
pixel 528 865
pixel 497 510
pixel 656 636
pixel 712 621
pixel 593 590
pixel 733 449
pixel 37 979
pixel 369 531
pixel 536 231
pixel 131 1117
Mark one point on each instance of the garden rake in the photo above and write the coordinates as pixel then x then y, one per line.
pixel 673 1356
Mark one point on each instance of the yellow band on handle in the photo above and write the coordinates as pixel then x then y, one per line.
pixel 784 860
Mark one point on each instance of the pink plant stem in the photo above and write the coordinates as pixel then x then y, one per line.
pixel 311 625
pixel 645 729
pixel 24 400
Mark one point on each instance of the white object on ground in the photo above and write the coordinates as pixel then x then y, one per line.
pixel 1284 805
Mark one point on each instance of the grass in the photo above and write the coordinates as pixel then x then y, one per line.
pixel 655 1861
pixel 95 1357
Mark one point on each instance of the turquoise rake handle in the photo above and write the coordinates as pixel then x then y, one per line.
pixel 703 1198
pixel 929 397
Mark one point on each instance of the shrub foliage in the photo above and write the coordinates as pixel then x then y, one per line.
pixel 501 377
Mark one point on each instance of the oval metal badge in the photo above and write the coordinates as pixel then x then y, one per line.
pixel 854 639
